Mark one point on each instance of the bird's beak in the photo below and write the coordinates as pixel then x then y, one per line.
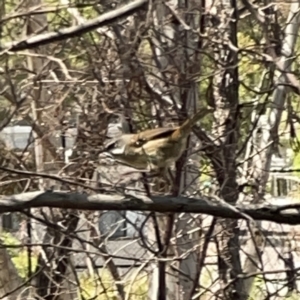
pixel 117 150
pixel 115 147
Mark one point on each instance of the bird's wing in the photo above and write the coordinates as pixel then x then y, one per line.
pixel 152 134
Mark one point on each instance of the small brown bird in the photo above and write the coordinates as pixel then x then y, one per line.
pixel 153 149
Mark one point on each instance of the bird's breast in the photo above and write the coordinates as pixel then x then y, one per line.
pixel 164 152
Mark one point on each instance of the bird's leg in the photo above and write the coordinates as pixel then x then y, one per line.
pixel 150 165
pixel 163 180
pixel 170 175
pixel 167 175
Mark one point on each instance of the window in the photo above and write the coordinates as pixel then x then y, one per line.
pixel 10 222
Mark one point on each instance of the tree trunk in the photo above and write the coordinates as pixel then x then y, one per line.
pixel 51 283
pixel 226 130
pixel 268 138
pixel 9 278
pixel 177 61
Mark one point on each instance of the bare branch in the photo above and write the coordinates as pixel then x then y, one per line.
pixel 72 200
pixel 81 20
pixel 103 20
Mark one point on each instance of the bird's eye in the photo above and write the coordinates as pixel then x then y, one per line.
pixel 138 143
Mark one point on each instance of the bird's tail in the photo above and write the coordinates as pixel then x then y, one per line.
pixel 187 126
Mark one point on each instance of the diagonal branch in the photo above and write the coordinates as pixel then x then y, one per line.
pixel 75 31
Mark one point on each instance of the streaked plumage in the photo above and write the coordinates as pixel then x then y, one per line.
pixel 153 148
